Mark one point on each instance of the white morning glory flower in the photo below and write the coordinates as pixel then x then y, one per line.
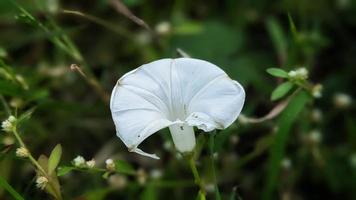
pixel 176 93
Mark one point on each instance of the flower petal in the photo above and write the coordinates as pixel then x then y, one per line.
pixel 217 105
pixel 136 116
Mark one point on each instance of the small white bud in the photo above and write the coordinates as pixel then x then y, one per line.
pixel 315 136
pixel 9 124
pixel 302 73
pixel 41 182
pixel 316 91
pixel 316 115
pixel 156 173
pixel 90 163
pixel 292 74
pixel 110 165
pixel 163 28
pixel 22 152
pixel 117 181
pixel 141 176
pixel 342 100
pixel 79 161
pixel 286 163
pixel 210 187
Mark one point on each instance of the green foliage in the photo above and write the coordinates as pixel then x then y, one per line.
pixel 54 158
pixel 281 90
pixel 277 72
pixel 124 167
pixel 277 149
pixel 5 185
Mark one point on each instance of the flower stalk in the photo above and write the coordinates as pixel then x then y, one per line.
pixel 58 196
pixel 197 179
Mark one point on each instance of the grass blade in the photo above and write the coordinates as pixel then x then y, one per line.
pixel 277 150
pixel 4 184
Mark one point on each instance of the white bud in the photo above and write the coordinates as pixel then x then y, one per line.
pixel 292 74
pixel 316 115
pixel 316 91
pixel 110 165
pixel 163 28
pixel 342 100
pixel 141 176
pixel 9 124
pixel 156 173
pixel 90 163
pixel 22 152
pixel 41 182
pixel 117 181
pixel 210 187
pixel 286 163
pixel 79 161
pixel 315 136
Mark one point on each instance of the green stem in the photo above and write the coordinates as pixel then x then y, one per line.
pixel 36 164
pixel 197 179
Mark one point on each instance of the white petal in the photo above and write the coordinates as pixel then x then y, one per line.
pixel 136 115
pixel 217 105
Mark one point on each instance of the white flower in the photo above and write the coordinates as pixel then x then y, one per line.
pixel 342 100
pixel 41 182
pixel 90 163
pixel 79 161
pixel 22 152
pixel 176 93
pixel 110 165
pixel 9 124
pixel 300 73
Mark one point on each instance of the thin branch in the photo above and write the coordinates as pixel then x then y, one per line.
pixel 122 9
pixel 92 82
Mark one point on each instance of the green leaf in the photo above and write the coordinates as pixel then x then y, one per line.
pixel 54 158
pixel 4 184
pixel 277 72
pixel 277 151
pixel 281 90
pixel 278 38
pixel 124 167
pixel 150 193
pixel 63 170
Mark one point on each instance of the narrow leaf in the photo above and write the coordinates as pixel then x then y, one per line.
pixel 277 72
pixel 54 158
pixel 63 170
pixel 4 184
pixel 281 90
pixel 277 151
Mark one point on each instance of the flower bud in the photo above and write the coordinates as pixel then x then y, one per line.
pixel 342 100
pixel 22 152
pixel 79 161
pixel 90 163
pixel 316 91
pixel 110 165
pixel 41 182
pixel 9 124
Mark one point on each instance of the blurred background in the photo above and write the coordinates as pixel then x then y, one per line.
pixel 41 39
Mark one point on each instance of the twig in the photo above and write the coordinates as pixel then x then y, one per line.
pixel 92 82
pixel 122 9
